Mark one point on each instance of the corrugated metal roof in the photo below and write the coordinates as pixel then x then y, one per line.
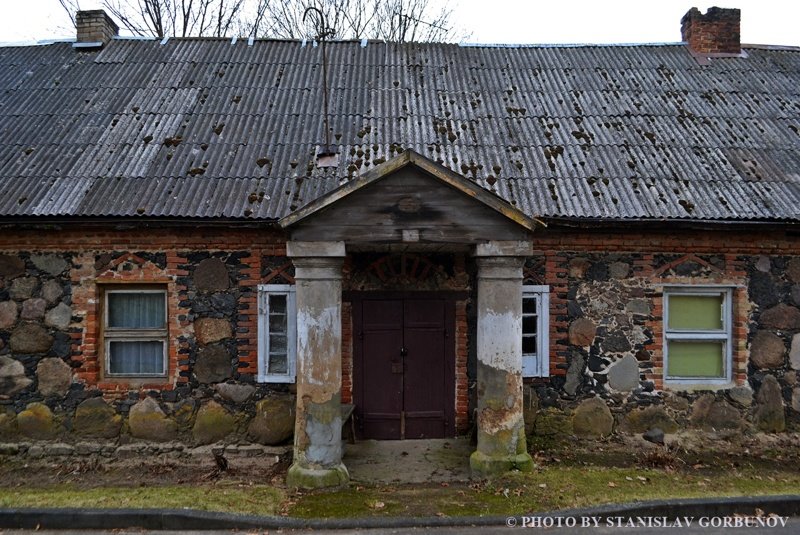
pixel 205 128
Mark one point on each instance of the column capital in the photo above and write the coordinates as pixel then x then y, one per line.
pixel 503 248
pixel 304 263
pixel 325 249
pixel 500 267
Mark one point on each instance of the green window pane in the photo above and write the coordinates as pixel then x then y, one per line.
pixel 695 312
pixel 695 359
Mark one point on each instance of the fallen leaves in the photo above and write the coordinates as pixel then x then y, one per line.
pixel 376 504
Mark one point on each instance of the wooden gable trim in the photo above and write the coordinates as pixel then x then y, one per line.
pixel 439 172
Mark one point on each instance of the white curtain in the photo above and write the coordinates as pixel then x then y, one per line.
pixel 146 357
pixel 132 311
pixel 136 310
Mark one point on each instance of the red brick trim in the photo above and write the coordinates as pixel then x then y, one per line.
pixel 462 381
pixel 347 352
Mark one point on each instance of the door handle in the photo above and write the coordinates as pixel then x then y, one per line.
pixel 403 352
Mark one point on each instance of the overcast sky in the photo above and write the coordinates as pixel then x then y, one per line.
pixel 775 22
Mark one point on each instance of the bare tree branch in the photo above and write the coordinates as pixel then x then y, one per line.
pixel 71 7
pixel 414 20
pixel 180 18
pixel 253 22
pixel 390 20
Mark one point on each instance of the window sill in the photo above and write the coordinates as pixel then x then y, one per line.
pixel 269 379
pixel 160 382
pixel 697 387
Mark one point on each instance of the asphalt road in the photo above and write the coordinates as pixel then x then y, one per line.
pixel 792 526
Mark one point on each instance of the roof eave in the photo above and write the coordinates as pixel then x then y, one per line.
pixel 675 223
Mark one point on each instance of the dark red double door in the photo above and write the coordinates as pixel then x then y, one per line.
pixel 403 378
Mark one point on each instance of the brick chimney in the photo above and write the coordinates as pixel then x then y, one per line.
pixel 716 32
pixel 95 28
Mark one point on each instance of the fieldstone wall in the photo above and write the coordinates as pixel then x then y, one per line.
pixel 606 314
pixel 606 340
pixel 213 296
pixel 609 303
pixel 52 386
pixel 774 340
pixel 35 320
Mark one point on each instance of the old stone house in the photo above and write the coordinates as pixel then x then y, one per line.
pixel 611 229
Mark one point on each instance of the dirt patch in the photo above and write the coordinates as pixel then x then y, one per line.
pixel 686 449
pixel 97 471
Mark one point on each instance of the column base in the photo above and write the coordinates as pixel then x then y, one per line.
pixel 316 478
pixel 484 466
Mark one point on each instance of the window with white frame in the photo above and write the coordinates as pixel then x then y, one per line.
pixel 135 332
pixel 697 334
pixel 277 333
pixel 535 320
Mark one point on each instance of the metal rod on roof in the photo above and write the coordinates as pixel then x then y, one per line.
pixel 323 32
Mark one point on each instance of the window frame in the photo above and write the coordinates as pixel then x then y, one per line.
pixel 116 334
pixel 538 365
pixel 724 335
pixel 264 291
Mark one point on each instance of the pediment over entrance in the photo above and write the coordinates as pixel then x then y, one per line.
pixel 409 199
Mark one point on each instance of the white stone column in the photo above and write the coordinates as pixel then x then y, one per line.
pixel 318 424
pixel 501 431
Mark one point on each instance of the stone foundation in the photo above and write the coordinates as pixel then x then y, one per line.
pixel 723 413
pixel 39 450
pixel 267 421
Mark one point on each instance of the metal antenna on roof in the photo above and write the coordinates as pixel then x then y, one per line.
pixel 323 32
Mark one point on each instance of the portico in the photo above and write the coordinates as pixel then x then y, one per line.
pixel 408 204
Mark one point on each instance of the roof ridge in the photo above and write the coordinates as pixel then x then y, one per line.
pixel 365 42
pixel 788 48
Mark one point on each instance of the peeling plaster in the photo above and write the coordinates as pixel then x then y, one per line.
pixel 318 336
pixel 318 426
pixel 324 429
pixel 497 344
pixel 499 406
pixel 501 427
